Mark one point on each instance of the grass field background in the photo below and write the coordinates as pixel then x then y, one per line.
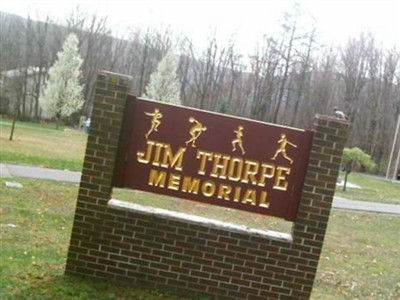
pixel 359 259
pixel 42 145
pixel 373 188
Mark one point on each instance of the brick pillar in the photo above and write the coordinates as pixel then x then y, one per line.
pixel 95 189
pixel 189 256
pixel 315 205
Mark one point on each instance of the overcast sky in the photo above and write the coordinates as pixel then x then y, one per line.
pixel 248 20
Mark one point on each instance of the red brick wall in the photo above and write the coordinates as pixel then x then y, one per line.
pixel 165 252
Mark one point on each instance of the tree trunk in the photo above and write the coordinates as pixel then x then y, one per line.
pixel 345 180
pixel 14 121
pixel 287 59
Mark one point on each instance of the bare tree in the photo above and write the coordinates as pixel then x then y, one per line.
pixel 183 75
pixel 287 50
pixel 302 82
pixel 207 73
pixel 283 80
pixel 152 48
pixel 40 38
pixel 324 91
pixel 264 64
pixel 354 72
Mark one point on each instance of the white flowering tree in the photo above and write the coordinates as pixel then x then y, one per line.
pixel 164 84
pixel 63 92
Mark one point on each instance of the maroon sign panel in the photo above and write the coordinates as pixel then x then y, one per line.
pixel 212 158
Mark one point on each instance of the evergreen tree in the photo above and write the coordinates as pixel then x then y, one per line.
pixel 62 95
pixel 164 84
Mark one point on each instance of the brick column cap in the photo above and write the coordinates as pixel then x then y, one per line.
pixel 330 118
pixel 128 77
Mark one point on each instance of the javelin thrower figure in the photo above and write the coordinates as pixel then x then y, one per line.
pixel 155 121
pixel 195 131
pixel 283 142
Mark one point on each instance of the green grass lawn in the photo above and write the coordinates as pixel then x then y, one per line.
pixel 372 189
pixel 359 259
pixel 35 229
pixel 42 145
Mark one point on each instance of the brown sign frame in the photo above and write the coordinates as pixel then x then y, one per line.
pixel 212 158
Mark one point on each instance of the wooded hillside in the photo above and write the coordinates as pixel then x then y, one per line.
pixel 284 79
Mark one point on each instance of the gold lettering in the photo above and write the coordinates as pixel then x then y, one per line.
pixel 280 183
pixel 235 169
pixel 236 197
pixel 204 156
pixel 141 157
pixel 157 155
pixel 208 188
pixel 250 197
pixel 190 185
pixel 174 181
pixel 170 160
pixel 267 171
pixel 263 200
pixel 224 191
pixel 219 169
pixel 250 171
pixel 157 178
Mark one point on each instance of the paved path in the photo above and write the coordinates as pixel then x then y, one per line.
pixel 341 203
pixel 11 170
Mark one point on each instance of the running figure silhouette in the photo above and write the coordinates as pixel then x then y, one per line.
pixel 195 131
pixel 155 121
pixel 283 142
pixel 238 140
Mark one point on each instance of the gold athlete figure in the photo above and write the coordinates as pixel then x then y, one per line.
pixel 238 140
pixel 155 121
pixel 283 142
pixel 195 131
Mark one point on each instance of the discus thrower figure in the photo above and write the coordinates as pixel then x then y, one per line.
pixel 195 131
